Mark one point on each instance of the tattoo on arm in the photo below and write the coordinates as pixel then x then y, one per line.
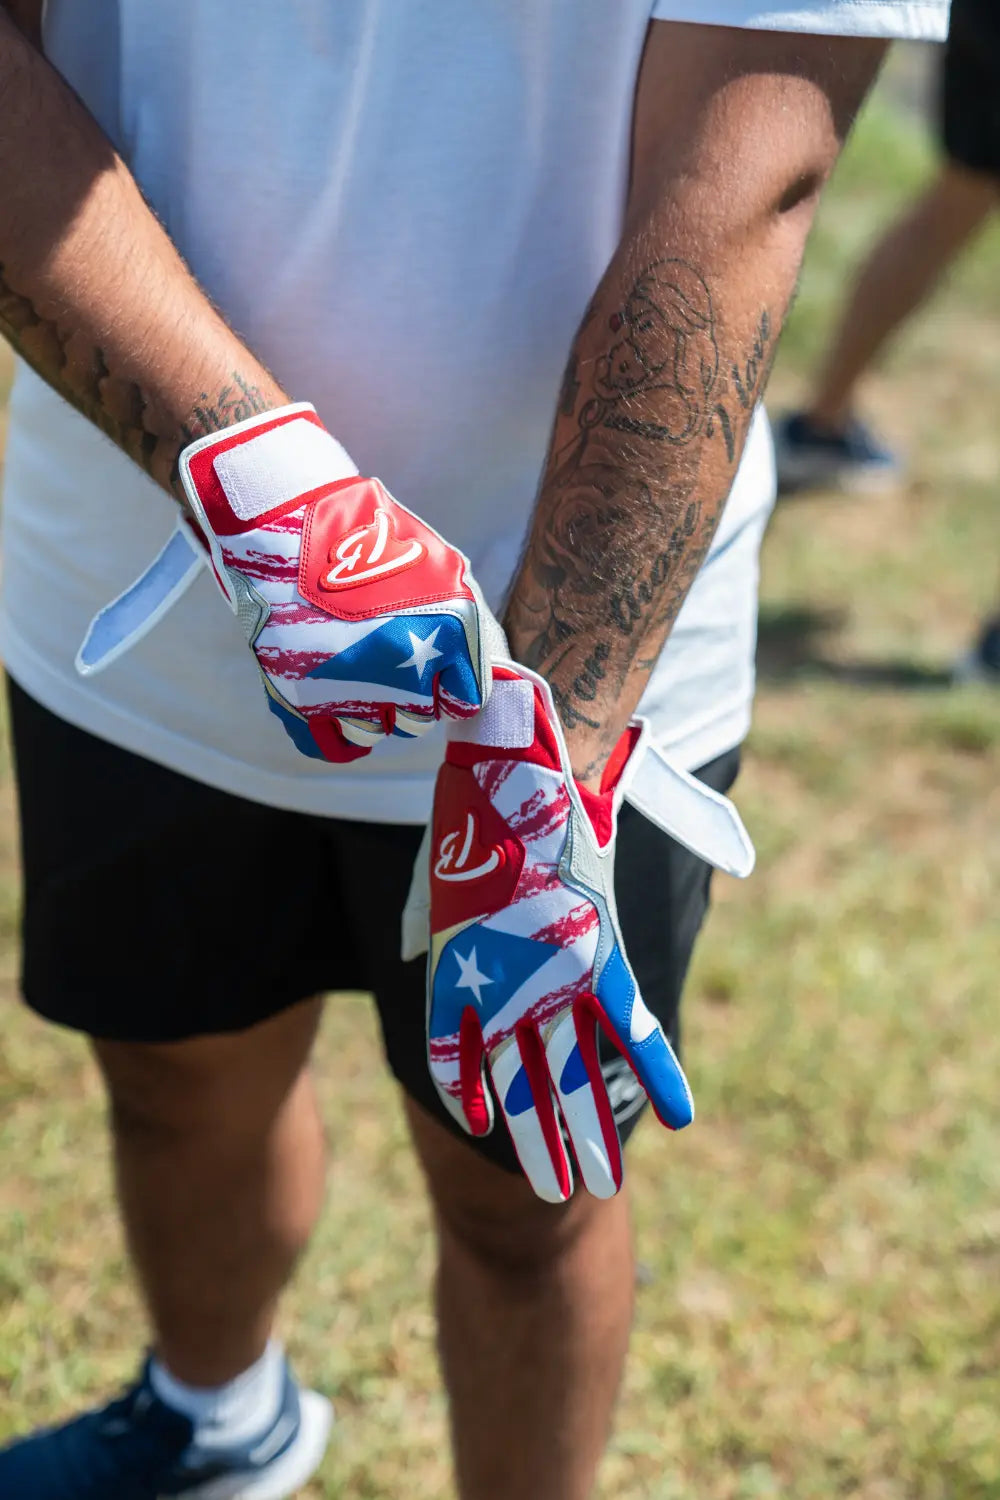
pixel 234 403
pixel 650 422
pixel 129 415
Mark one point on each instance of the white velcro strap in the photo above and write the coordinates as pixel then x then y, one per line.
pixel 290 460
pixel 508 720
pixel 692 813
pixel 124 622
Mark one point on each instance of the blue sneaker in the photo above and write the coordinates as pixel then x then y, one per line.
pixel 138 1448
pixel 810 458
pixel 982 663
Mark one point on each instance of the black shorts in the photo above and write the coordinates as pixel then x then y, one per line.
pixel 158 909
pixel 970 86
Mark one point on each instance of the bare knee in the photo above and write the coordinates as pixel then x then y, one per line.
pixel 493 1218
pixel 522 1242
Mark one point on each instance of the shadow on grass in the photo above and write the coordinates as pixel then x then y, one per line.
pixel 791 645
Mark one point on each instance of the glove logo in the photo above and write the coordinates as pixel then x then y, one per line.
pixel 370 551
pixel 457 848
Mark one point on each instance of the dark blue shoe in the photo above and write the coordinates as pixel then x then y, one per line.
pixel 140 1449
pixel 810 458
pixel 982 663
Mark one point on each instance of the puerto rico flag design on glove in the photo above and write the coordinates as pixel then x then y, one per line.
pixel 363 620
pixel 526 959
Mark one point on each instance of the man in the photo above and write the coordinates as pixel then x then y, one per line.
pixel 827 442
pixel 406 211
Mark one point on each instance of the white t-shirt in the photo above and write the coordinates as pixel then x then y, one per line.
pixel 404 209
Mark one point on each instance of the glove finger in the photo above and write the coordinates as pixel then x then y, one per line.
pixel 521 1080
pixel 457 690
pixel 652 1059
pixel 457 1065
pixel 660 1074
pixel 575 1068
pixel 318 737
pixel 301 732
pixel 330 741
pixel 360 732
pixel 411 726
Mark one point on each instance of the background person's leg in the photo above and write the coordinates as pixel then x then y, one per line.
pixel 534 1305
pixel 897 277
pixel 219 1157
pixel 826 443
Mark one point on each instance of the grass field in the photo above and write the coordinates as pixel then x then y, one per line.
pixel 819 1308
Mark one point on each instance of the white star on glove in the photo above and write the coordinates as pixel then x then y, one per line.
pixel 423 652
pixel 472 978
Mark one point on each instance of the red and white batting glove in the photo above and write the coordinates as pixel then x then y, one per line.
pixel 526 960
pixel 363 620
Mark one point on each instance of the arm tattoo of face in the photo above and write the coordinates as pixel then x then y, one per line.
pixel 117 404
pixel 666 352
pixel 649 410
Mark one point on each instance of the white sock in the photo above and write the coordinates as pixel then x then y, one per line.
pixel 225 1415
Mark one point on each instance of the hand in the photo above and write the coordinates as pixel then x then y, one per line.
pixel 363 620
pixel 526 956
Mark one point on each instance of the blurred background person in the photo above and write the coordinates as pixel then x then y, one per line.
pixel 826 444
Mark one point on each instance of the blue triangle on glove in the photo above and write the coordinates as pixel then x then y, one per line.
pixel 407 652
pixel 483 969
pixel 574 1074
pixel 519 1096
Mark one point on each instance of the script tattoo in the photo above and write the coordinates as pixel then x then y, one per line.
pixel 623 522
pixel 234 403
pixel 118 404
pixel 747 384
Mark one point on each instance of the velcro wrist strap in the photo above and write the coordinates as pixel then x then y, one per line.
pixel 696 815
pixel 506 723
pixel 257 470
pixel 124 622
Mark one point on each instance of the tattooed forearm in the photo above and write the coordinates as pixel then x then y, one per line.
pixel 120 406
pixel 81 375
pixel 93 293
pixel 654 407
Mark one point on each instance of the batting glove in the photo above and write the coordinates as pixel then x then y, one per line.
pixel 363 620
pixel 526 959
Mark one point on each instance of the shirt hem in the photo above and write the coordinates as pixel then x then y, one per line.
pixel 921 21
pixel 690 752
pixel 382 800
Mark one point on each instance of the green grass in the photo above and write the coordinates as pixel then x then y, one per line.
pixel 819 1309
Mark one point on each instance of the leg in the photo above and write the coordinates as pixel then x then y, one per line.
pixel 134 932
pixel 147 925
pixel 534 1305
pixel 897 277
pixel 219 1157
pixel 534 1301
